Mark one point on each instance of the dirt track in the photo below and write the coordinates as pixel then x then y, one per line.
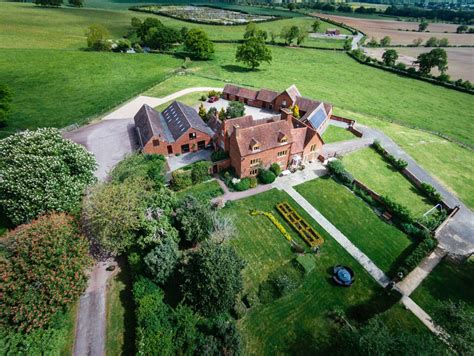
pixel 404 32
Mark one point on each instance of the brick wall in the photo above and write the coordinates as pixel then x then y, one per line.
pixel 151 146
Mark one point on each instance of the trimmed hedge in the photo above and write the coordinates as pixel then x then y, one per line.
pixel 276 169
pixel 266 176
pixel 398 163
pixel 417 255
pixel 219 155
pixel 430 192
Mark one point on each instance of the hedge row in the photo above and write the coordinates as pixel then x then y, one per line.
pixel 201 22
pixel 398 164
pixel 414 75
pixel 275 222
pixel 423 249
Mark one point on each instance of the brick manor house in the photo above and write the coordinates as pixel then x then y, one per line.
pixel 250 143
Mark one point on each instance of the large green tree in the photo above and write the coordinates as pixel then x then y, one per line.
pixel 212 278
pixel 161 261
pixel 161 38
pixel 98 38
pixel 42 271
pixel 194 219
pixel 435 58
pixel 389 57
pixel 289 34
pixel 5 102
pixel 119 216
pixel 253 52
pixel 41 172
pixel 198 45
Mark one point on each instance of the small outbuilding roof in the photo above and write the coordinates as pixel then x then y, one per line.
pixel 267 95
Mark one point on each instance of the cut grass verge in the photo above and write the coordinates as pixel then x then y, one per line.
pixel 370 168
pixel 337 134
pixel 190 99
pixel 120 323
pixel 381 242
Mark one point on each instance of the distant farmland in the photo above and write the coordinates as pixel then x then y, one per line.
pixel 403 32
pixel 460 60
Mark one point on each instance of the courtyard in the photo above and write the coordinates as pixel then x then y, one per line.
pixel 257 113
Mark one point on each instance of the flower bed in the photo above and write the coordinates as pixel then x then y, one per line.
pixel 308 234
pixel 274 221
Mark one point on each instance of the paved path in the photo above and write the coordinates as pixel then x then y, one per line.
pixel 129 109
pixel 415 277
pixel 228 195
pixel 356 40
pixel 91 314
pixel 423 317
pixel 358 255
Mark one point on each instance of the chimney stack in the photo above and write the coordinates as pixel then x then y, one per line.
pixel 287 114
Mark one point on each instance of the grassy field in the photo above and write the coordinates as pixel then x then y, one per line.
pixel 447 281
pixel 120 320
pixel 298 321
pixel 59 88
pixel 369 167
pixel 381 242
pixel 24 25
pixel 334 77
pixel 336 134
pixel 451 164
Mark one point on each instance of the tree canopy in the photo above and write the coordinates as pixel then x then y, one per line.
pixel 193 219
pixel 389 57
pixel 212 278
pixel 42 271
pixel 98 38
pixel 42 172
pixel 253 52
pixel 119 216
pixel 198 45
pixel 235 109
pixel 161 260
pixel 435 58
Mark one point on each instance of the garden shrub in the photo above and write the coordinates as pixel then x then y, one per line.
pixel 253 182
pixel 414 231
pixel 265 176
pixel 181 179
pixel 430 192
pixel 219 155
pixel 276 169
pixel 417 255
pixel 140 165
pixel 365 196
pixel 336 167
pixel 135 263
pixel 284 284
pixel 435 219
pixel 281 282
pixel 398 164
pixel 244 184
pixel 378 147
pixel 213 93
pixel 200 172
pixel 400 212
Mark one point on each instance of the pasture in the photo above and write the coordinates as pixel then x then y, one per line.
pixel 336 134
pixel 299 321
pixel 403 32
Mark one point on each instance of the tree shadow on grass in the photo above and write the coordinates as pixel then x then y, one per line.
pixel 126 299
pixel 380 302
pixel 232 68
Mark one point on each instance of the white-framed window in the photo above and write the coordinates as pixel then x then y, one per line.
pixel 282 153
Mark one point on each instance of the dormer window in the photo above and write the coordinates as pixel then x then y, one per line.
pixel 282 138
pixel 254 145
pixel 192 135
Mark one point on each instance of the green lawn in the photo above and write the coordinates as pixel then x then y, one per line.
pixel 381 242
pixel 450 163
pixel 120 319
pixel 370 168
pixel 206 190
pixel 447 281
pixel 336 134
pixel 59 88
pixel 188 99
pixel 298 322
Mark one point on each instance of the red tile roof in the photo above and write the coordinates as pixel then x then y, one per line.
pixel 267 95
pixel 231 89
pixel 247 93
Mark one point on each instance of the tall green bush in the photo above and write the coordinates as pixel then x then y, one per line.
pixel 266 176
pixel 42 172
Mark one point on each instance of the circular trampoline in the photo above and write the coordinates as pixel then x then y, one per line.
pixel 343 275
